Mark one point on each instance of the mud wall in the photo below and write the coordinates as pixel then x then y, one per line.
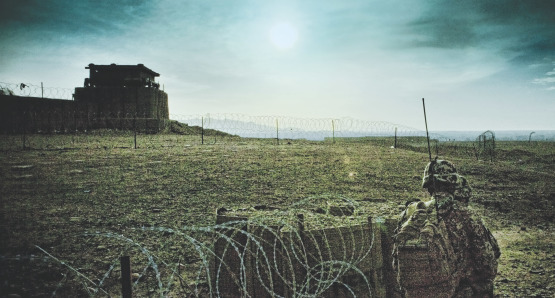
pixel 141 108
pixel 28 114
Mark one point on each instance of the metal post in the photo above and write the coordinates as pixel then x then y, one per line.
pixel 395 145
pixel 135 129
pixel 126 290
pixel 530 138
pixel 333 131
pixel 277 131
pixel 24 130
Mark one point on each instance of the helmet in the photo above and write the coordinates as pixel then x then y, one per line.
pixel 439 171
pixel 442 173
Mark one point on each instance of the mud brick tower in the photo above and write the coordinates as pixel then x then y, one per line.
pixel 122 96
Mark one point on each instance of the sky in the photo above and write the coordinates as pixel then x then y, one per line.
pixel 480 65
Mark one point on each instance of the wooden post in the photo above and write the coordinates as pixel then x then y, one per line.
pixel 126 290
pixel 41 90
pixel 387 249
pixel 300 222
pixel 202 130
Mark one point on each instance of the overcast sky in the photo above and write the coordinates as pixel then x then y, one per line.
pixel 480 64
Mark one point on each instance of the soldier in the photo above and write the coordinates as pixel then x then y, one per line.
pixel 440 248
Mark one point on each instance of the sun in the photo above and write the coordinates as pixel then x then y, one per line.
pixel 283 35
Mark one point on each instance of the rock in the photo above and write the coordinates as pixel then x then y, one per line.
pixel 135 276
pixel 22 167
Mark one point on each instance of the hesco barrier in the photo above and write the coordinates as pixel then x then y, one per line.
pixel 252 259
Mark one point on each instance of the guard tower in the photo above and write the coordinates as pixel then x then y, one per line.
pixel 122 96
pixel 121 76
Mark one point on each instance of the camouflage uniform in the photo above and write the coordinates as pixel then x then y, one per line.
pixel 440 248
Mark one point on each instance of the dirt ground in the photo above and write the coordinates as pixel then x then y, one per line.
pixel 67 215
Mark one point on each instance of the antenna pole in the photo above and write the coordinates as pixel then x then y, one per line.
pixel 427 134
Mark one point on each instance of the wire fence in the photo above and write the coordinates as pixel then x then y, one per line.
pixel 281 127
pixel 71 129
pixel 30 90
pixel 261 252
pixel 76 129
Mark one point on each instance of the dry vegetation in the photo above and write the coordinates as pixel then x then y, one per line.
pixel 88 199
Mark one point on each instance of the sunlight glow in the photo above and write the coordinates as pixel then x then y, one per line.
pixel 283 35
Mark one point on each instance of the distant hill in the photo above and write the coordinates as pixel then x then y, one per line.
pixel 184 129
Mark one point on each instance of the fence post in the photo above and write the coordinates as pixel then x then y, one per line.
pixel 24 130
pixel 277 131
pixel 41 90
pixel 333 131
pixel 126 290
pixel 395 144
pixel 530 138
pixel 387 232
pixel 135 129
pixel 202 130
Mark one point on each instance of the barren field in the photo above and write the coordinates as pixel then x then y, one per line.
pixel 69 209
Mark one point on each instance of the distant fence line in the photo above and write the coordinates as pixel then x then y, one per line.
pixel 206 129
pixel 63 129
pixel 30 90
pixel 274 127
pixel 283 127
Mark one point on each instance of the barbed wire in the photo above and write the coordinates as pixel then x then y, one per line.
pixel 30 90
pixel 296 128
pixel 321 246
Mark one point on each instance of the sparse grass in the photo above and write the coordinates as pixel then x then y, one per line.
pixel 82 193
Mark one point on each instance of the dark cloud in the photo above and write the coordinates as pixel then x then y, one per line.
pixel 440 32
pixel 84 17
pixel 525 29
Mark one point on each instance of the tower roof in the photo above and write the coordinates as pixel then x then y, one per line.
pixel 114 67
